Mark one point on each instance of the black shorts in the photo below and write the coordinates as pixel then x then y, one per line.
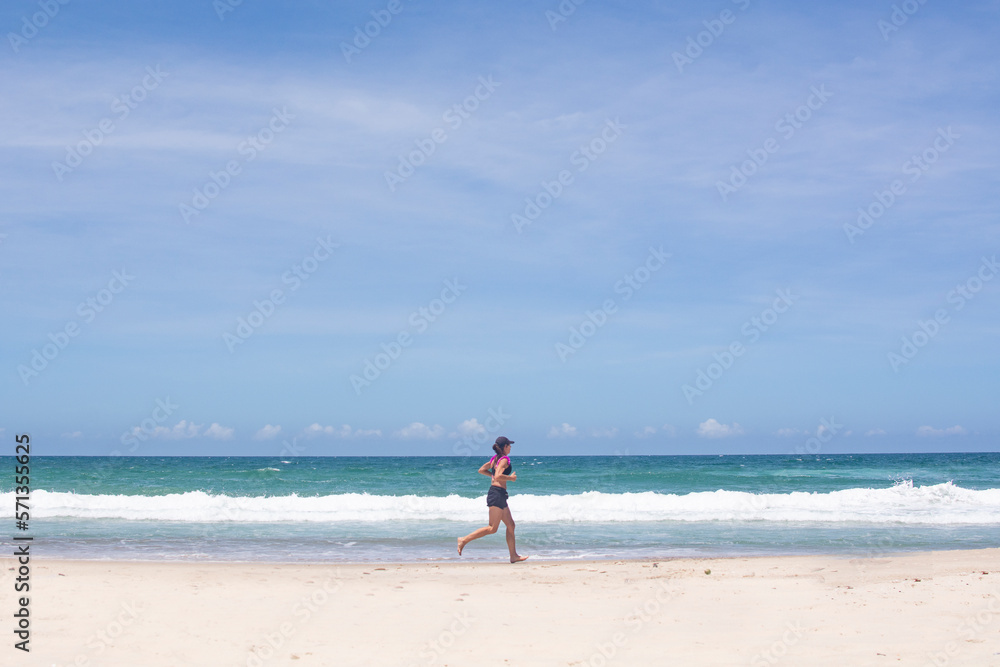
pixel 497 497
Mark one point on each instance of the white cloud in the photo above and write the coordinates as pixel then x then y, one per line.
pixel 181 430
pixel 344 431
pixel 420 431
pixel 267 432
pixel 184 429
pixel 316 429
pixel 710 428
pixel 648 431
pixel 604 432
pixel 930 431
pixel 564 431
pixel 874 431
pixel 469 428
pixel 218 432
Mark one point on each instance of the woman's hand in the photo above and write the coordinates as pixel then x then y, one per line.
pixel 499 477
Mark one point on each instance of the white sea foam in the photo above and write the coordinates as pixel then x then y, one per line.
pixel 940 504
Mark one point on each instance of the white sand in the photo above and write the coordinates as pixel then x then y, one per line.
pixel 919 609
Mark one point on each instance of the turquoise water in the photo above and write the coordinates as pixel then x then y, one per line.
pixel 412 508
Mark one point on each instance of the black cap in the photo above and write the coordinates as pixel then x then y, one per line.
pixel 503 441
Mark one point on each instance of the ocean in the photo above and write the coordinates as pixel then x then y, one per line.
pixel 410 509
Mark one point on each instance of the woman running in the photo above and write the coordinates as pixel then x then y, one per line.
pixel 496 499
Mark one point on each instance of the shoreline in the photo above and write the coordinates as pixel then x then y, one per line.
pixel 473 560
pixel 745 610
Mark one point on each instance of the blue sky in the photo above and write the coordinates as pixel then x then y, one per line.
pixel 633 230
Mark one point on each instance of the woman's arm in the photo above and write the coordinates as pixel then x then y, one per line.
pixel 499 476
pixel 484 469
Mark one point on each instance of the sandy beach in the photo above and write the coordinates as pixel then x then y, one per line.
pixel 929 608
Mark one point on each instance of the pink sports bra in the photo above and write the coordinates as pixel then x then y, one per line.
pixel 509 466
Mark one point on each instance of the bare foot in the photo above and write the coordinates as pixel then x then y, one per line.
pixel 518 559
pixel 461 545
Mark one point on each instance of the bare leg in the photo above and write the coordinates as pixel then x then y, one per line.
pixel 495 514
pixel 508 520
